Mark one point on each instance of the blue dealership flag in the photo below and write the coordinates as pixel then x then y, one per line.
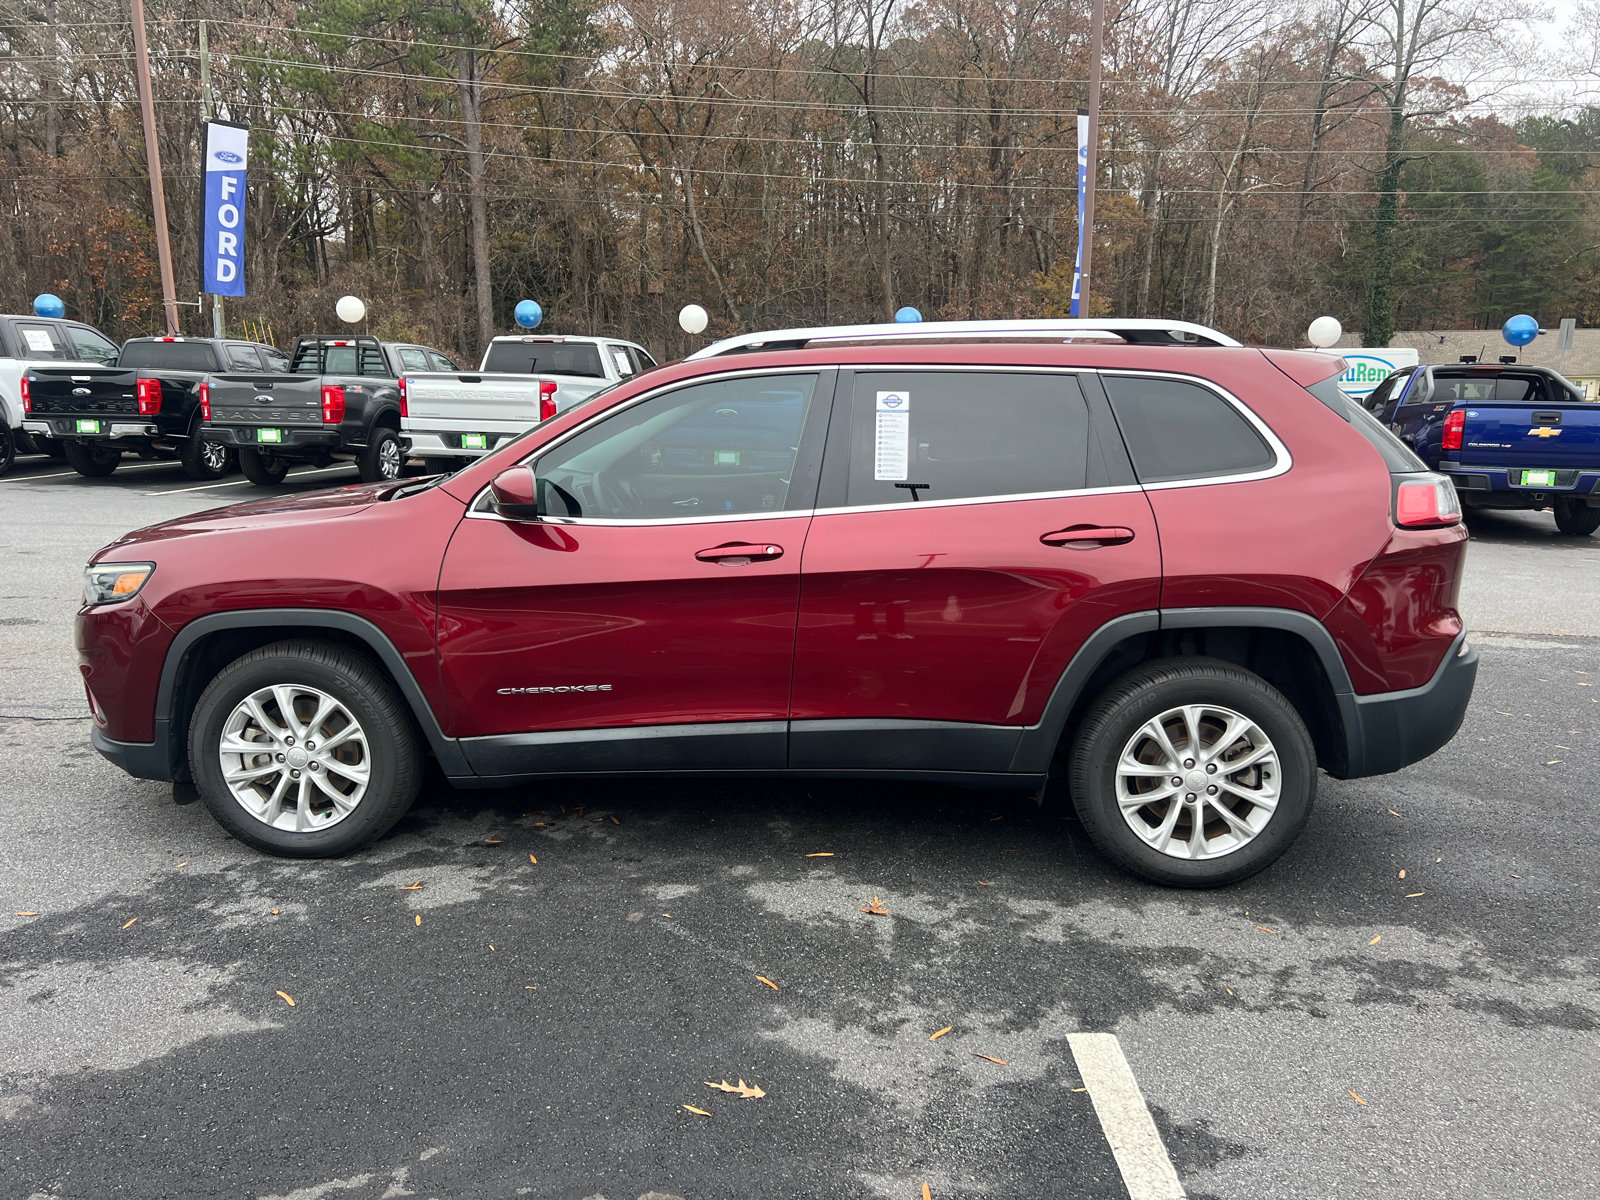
pixel 1083 191
pixel 222 236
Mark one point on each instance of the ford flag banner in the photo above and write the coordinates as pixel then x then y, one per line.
pixel 1083 188
pixel 222 250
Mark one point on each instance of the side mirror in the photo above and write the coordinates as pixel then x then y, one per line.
pixel 516 494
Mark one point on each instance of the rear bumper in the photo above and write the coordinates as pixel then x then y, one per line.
pixel 142 760
pixel 1390 730
pixel 430 444
pixel 1501 487
pixel 314 438
pixel 111 428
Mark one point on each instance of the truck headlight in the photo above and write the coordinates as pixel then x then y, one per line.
pixel 112 583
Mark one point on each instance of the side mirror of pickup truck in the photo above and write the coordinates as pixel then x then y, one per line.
pixel 516 494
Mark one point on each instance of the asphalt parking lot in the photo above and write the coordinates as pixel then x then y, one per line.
pixel 1405 1006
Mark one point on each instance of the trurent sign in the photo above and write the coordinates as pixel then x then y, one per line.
pixel 222 237
pixel 1365 369
pixel 1083 193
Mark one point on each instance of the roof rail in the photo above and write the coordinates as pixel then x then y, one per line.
pixel 1148 331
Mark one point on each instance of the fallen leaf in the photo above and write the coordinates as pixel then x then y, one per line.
pixel 530 987
pixel 532 814
pixel 492 841
pixel 540 825
pixel 532 859
pixel 130 922
pixel 136 918
pixel 1555 762
pixel 876 908
pixel 987 1058
pixel 768 982
pixel 614 821
pixel 1264 929
pixel 1357 1099
pixel 1016 851
pixel 1080 1089
pixel 274 912
pixel 419 918
pixel 1414 895
pixel 981 883
pixel 1376 940
pixel 581 807
pixel 747 1090
pixel 185 862
pixel 411 887
pixel 1402 873
pixel 821 854
pixel 1228 990
pixel 287 999
pixel 1559 746
pixel 926 1194
pixel 693 1109
pixel 941 1033
pixel 1503 714
pixel 563 810
pixel 1393 813
pixel 997 818
pixel 25 914
pixel 491 945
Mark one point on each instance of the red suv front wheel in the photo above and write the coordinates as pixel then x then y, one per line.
pixel 1193 772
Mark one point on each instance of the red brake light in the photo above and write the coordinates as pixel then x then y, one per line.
pixel 149 392
pixel 1423 501
pixel 404 409
pixel 205 401
pixel 332 404
pixel 1454 423
pixel 27 396
pixel 547 399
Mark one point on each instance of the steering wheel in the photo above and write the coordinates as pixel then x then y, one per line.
pixel 615 494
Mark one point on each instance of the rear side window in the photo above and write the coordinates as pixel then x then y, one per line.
pixel 244 358
pixel 440 363
pixel 39 341
pixel 1178 430
pixel 275 361
pixel 412 359
pixel 546 358
pixel 917 436
pixel 174 356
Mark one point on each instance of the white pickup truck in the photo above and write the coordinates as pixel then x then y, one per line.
pixel 26 342
pixel 455 416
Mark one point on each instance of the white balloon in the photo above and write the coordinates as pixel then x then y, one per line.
pixel 350 309
pixel 693 318
pixel 1324 332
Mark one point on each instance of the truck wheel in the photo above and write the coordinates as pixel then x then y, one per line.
pixel 1576 520
pixel 382 460
pixel 203 459
pixel 264 469
pixel 303 749
pixel 8 447
pixel 94 461
pixel 1193 772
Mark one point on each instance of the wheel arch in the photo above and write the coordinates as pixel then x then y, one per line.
pixel 1291 650
pixel 207 644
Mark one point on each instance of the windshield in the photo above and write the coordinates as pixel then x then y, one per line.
pixel 177 356
pixel 545 358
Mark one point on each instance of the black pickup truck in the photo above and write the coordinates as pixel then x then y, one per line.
pixel 341 398
pixel 153 399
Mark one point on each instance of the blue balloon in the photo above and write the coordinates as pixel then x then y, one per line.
pixel 529 314
pixel 1520 330
pixel 907 316
pixel 46 305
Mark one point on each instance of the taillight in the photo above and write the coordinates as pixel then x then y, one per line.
pixel 205 401
pixel 405 411
pixel 547 400
pixel 332 404
pixel 149 397
pixel 1425 500
pixel 1454 423
pixel 27 396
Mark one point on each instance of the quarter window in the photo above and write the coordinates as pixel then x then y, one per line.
pixel 724 447
pixel 955 435
pixel 1177 430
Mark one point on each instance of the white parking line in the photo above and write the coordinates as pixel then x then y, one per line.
pixel 64 474
pixel 205 487
pixel 1141 1157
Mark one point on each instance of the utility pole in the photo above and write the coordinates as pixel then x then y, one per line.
pixel 152 154
pixel 206 113
pixel 1096 53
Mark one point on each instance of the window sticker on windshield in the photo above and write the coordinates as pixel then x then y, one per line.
pixel 38 339
pixel 891 456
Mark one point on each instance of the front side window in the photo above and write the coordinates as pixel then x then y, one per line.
pixel 91 347
pixel 726 447
pixel 1178 430
pixel 917 436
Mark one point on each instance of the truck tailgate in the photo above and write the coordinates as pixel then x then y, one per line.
pixel 1531 435
pixel 87 391
pixel 275 401
pixel 495 401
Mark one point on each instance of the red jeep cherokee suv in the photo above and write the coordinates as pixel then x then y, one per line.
pixel 1174 575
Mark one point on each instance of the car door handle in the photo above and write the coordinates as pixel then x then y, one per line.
pixel 1087 537
pixel 740 554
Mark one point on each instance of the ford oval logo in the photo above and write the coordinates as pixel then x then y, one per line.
pixel 80 391
pixel 263 399
pixel 227 156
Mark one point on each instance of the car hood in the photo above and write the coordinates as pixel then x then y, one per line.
pixel 299 509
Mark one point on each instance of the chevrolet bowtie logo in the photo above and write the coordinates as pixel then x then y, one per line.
pixel 1544 431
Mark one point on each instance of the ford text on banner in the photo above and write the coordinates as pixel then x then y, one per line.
pixel 1083 188
pixel 222 246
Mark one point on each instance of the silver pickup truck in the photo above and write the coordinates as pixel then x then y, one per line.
pixel 455 416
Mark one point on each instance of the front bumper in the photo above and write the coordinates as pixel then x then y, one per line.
pixel 1390 730
pixel 142 760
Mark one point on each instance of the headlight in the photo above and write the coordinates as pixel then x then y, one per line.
pixel 112 583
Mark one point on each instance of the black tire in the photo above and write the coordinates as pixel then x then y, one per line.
pixel 8 447
pixel 1576 520
pixel 264 469
pixel 203 459
pixel 94 461
pixel 382 461
pixel 1119 714
pixel 392 756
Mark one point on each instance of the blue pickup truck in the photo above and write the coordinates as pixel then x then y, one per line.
pixel 1509 436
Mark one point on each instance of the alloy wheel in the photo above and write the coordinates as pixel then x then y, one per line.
pixel 389 459
pixel 295 758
